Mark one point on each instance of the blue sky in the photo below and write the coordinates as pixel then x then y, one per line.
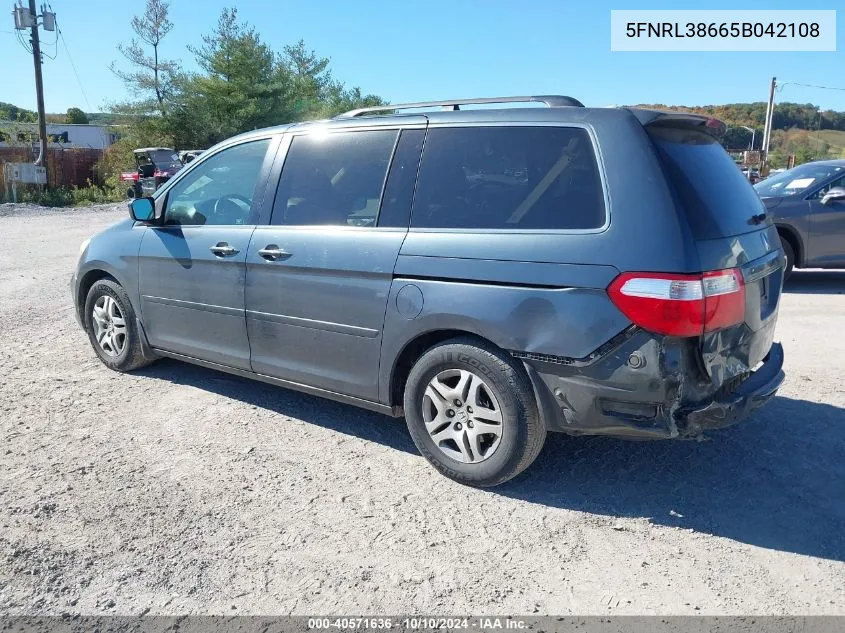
pixel 409 51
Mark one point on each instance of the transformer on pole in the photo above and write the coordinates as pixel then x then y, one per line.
pixel 26 17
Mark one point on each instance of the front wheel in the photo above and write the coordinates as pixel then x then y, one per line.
pixel 111 326
pixel 471 412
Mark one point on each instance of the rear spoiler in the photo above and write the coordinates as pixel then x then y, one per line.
pixel 708 125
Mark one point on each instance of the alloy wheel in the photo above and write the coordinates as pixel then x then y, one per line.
pixel 462 416
pixel 109 326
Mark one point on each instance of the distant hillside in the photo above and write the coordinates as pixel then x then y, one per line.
pixel 834 138
pixel 9 112
pixel 799 129
pixel 787 115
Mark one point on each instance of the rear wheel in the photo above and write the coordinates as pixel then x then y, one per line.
pixel 471 412
pixel 111 326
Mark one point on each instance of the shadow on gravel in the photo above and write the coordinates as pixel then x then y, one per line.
pixel 326 413
pixel 815 282
pixel 775 481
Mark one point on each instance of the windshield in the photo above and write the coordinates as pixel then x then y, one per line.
pixel 797 181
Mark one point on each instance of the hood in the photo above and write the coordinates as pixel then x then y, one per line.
pixel 771 203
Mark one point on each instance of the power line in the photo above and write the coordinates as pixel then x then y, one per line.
pixel 61 36
pixel 795 83
pixel 54 44
pixel 22 41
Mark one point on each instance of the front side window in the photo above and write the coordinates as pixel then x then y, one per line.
pixel 521 178
pixel 334 179
pixel 818 195
pixel 220 190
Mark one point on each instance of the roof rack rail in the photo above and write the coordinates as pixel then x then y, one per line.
pixel 552 101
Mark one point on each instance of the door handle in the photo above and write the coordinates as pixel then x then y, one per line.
pixel 272 253
pixel 222 249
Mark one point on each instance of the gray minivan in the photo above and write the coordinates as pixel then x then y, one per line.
pixel 490 274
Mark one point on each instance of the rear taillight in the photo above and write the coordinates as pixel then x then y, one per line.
pixel 680 305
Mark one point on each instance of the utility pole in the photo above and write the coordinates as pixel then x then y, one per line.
pixel 27 18
pixel 39 90
pixel 767 129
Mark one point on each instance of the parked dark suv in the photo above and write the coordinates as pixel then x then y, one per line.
pixel 490 274
pixel 807 205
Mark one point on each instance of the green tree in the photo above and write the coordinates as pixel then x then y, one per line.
pixel 315 91
pixel 240 87
pixel 152 79
pixel 9 112
pixel 241 84
pixel 737 138
pixel 75 115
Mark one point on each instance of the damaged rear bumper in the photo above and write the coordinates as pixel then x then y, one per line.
pixel 643 386
pixel 753 393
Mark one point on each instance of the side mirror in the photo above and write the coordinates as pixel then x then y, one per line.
pixel 834 193
pixel 142 209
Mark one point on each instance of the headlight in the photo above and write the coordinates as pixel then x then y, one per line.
pixel 83 246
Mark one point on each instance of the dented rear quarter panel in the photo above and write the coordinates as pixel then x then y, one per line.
pixel 564 322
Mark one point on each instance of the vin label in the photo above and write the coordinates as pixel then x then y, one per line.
pixel 723 30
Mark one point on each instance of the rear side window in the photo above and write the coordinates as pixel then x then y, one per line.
pixel 718 199
pixel 334 179
pixel 522 178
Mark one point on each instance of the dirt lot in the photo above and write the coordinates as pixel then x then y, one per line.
pixel 181 490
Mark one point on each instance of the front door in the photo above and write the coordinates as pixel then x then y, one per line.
pixel 192 265
pixel 319 275
pixel 826 246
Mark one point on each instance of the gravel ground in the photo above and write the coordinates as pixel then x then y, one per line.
pixel 180 490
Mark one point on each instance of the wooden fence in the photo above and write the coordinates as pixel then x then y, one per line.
pixel 65 166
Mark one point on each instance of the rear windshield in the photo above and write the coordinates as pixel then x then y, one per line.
pixel 165 159
pixel 719 201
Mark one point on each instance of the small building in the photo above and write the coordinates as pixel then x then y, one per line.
pixel 66 135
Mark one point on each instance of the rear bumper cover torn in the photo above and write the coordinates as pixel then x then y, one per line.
pixel 665 393
pixel 760 387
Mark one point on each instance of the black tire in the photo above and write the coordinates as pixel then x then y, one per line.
pixel 522 430
pixel 131 355
pixel 790 258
